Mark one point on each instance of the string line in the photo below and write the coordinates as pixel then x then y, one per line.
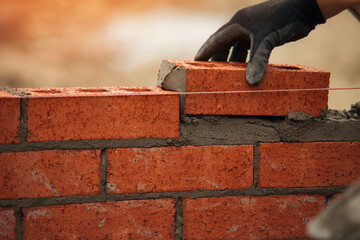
pixel 268 90
pixel 124 93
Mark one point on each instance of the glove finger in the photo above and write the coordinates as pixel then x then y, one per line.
pixel 222 55
pixel 225 36
pixel 240 51
pixel 259 58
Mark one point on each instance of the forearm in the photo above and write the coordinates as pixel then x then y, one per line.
pixel 330 8
pixel 355 10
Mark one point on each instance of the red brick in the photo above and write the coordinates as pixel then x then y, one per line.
pixel 221 76
pixel 142 219
pixel 250 217
pixel 49 174
pixel 112 113
pixel 337 195
pixel 315 164
pixel 7 224
pixel 136 170
pixel 9 118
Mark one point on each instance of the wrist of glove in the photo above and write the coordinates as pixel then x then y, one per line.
pixel 261 28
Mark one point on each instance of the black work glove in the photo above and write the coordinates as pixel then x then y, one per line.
pixel 262 27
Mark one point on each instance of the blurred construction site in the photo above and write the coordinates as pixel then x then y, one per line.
pixel 93 43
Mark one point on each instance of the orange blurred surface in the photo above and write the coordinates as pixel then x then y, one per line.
pixel 42 18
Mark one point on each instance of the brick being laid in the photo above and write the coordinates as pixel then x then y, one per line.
pixel 224 77
pixel 94 113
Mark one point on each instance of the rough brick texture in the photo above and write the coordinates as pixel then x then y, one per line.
pixel 264 103
pixel 197 182
pixel 62 114
pixel 315 164
pixel 221 76
pixel 7 224
pixel 9 118
pixel 49 174
pixel 146 219
pixel 187 168
pixel 268 217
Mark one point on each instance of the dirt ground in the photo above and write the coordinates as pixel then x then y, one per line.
pixel 121 43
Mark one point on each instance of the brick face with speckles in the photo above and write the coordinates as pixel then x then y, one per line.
pixel 49 173
pixel 230 76
pixel 7 224
pixel 193 192
pixel 187 168
pixel 143 219
pixel 9 118
pixel 105 115
pixel 315 164
pixel 250 217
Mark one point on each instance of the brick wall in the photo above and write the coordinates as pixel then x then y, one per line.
pixel 125 163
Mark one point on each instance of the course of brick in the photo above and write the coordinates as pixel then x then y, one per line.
pixel 124 163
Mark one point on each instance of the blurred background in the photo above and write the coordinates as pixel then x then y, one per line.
pixel 99 43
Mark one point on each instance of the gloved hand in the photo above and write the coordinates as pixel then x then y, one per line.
pixel 261 27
